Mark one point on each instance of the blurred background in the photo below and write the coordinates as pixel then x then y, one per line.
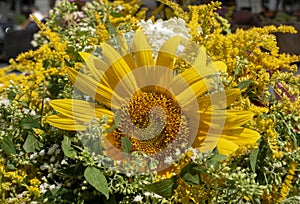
pixel 16 31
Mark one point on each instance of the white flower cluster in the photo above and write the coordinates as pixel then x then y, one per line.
pixel 45 186
pixel 4 102
pixel 160 31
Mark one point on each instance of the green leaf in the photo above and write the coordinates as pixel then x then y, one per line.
pixel 116 122
pixel 23 103
pixel 236 71
pixel 96 178
pixel 67 149
pixel 11 167
pixel 190 173
pixel 216 158
pixel 11 95
pixel 192 179
pixel 253 158
pixel 32 144
pixel 8 146
pixel 244 84
pixel 164 188
pixel 256 200
pixel 112 30
pixel 29 122
pixel 126 145
pixel 115 14
pixel 110 129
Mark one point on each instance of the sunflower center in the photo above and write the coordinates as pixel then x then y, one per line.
pixel 151 120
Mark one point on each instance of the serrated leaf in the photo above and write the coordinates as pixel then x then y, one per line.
pixel 68 150
pixel 126 144
pixel 96 178
pixel 164 188
pixel 32 144
pixel 29 122
pixel 253 158
pixel 8 146
pixel 244 84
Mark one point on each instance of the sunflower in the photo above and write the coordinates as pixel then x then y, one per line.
pixel 161 112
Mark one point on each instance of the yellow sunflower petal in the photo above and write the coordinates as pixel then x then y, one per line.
pixel 166 53
pixel 206 69
pixel 143 51
pixel 189 76
pixel 209 137
pixel 241 136
pixel 201 58
pixel 94 89
pixel 225 119
pixel 118 70
pixel 130 61
pixel 218 65
pixel 94 64
pixel 219 100
pixel 193 92
pixel 226 147
pixel 65 123
pixel 80 110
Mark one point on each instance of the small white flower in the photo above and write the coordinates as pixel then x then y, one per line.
pixel 33 156
pixel 169 160
pixel 34 43
pixel 22 195
pixel 51 187
pixel 52 159
pixel 42 153
pixel 147 193
pixel 25 111
pixel 56 165
pixel 160 31
pixel 195 154
pixel 138 198
pixel 63 162
pixel 200 31
pixel 120 7
pixel 47 100
pixel 4 102
pixel 45 166
pixel 156 195
pixel 87 98
pixel 178 152
pixel 57 151
pixel 32 113
pixel 52 149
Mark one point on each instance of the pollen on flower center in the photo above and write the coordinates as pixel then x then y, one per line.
pixel 152 119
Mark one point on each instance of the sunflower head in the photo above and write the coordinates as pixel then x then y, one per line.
pixel 160 110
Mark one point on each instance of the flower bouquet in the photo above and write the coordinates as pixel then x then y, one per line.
pixel 119 104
